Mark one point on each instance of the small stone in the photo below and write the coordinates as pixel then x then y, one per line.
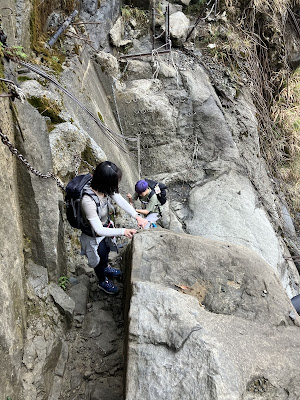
pixel 79 318
pixel 73 280
pixel 87 374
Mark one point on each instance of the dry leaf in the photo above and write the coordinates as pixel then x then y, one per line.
pixel 183 287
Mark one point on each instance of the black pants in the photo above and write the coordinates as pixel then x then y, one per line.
pixel 103 251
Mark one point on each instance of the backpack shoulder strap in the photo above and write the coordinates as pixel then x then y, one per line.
pixel 93 195
pixel 151 185
pixel 88 191
pixel 151 194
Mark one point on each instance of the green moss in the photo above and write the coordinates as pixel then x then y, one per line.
pixel 297 125
pixel 63 282
pixel 53 57
pixel 3 87
pixel 23 78
pixel 140 16
pixel 134 12
pixel 195 7
pixel 88 156
pixel 100 117
pixel 47 108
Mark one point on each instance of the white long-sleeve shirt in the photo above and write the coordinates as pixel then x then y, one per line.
pixel 89 208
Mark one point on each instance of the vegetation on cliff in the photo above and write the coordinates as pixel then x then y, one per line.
pixel 258 41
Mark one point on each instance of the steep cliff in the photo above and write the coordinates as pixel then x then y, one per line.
pixel 182 117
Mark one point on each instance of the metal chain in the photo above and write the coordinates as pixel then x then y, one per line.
pixel 20 157
pixel 78 160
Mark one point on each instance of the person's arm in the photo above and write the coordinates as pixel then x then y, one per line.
pixel 130 199
pixel 151 206
pixel 144 212
pixel 89 209
pixel 133 198
pixel 124 204
pixel 129 209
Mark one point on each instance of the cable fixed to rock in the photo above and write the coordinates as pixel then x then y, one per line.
pixel 110 134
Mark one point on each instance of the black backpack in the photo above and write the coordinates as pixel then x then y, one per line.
pixel 160 189
pixel 74 192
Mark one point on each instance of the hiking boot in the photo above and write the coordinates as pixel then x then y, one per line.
pixel 108 287
pixel 110 271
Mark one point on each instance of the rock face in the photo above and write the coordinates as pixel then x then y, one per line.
pixel 226 334
pixel 228 208
pixel 179 27
pixel 208 153
pixel 13 316
pixel 213 324
pixel 39 198
pixel 106 12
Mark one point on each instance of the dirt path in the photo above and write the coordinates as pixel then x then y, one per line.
pixel 94 366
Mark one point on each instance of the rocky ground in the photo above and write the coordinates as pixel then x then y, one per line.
pixel 94 367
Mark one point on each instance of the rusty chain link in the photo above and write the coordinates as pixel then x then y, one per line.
pixel 78 160
pixel 15 151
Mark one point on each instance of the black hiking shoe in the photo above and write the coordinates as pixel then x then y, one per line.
pixel 108 287
pixel 110 271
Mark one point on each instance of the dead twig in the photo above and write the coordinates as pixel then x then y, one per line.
pixel 86 23
pixel 85 40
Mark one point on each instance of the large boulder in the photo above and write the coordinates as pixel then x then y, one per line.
pixel 108 63
pixel 116 34
pixel 228 209
pixel 207 320
pixel 209 155
pixel 179 119
pixel 179 27
pixel 68 142
pixel 39 198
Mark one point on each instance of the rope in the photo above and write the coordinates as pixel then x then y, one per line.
pixel 139 155
pixel 18 91
pixel 156 60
